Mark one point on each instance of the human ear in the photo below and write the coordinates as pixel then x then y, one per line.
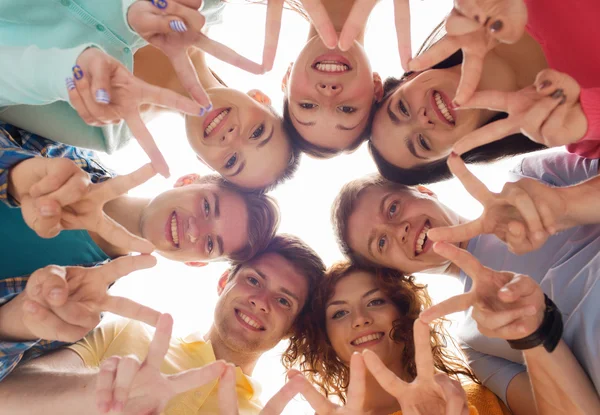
pixel 222 282
pixel 286 78
pixel 187 179
pixel 259 96
pixel 424 190
pixel 377 87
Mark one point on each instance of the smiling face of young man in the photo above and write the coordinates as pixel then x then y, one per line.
pixel 259 304
pixel 330 94
pixel 196 222
pixel 359 316
pixel 389 226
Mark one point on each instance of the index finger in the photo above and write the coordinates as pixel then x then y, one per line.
pixel 194 378
pixel 321 21
pixel 123 266
pixel 465 261
pixel 118 235
pixel 228 400
pixel 119 185
pixel 471 69
pixel 127 308
pixel 318 402
pixel 356 21
pixel 272 29
pixel 423 355
pixel 163 97
pixel 160 343
pixel 402 18
pixel 471 183
pixel 457 233
pixel 388 380
pixel 279 401
pixel 189 80
pixel 146 141
pixel 225 54
pixel 356 387
pixel 435 54
pixel 489 133
pixel 452 305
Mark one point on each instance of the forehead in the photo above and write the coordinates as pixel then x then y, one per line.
pixel 354 285
pixel 280 273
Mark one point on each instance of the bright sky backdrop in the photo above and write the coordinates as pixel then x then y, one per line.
pixel 190 294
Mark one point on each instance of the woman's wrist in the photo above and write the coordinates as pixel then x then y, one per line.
pixel 12 328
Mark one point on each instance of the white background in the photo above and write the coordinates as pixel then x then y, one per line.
pixel 190 294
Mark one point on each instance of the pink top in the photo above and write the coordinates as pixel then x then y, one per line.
pixel 569 33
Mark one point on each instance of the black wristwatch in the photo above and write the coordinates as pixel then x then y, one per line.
pixel 548 334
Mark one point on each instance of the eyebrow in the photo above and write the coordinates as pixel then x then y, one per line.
pixel 339 302
pixel 266 140
pixel 283 289
pixel 373 232
pixel 411 147
pixel 217 206
pixel 338 126
pixel 220 245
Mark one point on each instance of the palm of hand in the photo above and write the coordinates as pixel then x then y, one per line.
pixel 150 392
pixel 424 396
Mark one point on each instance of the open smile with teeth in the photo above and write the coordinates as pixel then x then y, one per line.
pixel 443 107
pixel 249 320
pixel 367 338
pixel 422 238
pixel 216 121
pixel 175 229
pixel 331 66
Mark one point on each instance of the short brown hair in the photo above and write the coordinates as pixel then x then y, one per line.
pixel 304 260
pixel 313 351
pixel 343 206
pixel 263 217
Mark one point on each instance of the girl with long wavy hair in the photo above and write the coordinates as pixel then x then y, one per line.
pixel 358 308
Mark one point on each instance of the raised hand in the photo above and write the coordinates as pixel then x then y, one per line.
pixel 505 305
pixel 228 404
pixel 131 387
pixel 549 113
pixel 522 216
pixel 476 27
pixel 104 92
pixel 51 207
pixel 428 393
pixel 64 303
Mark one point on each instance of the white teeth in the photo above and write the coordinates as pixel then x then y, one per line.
pixel 249 321
pixel 421 239
pixel 443 107
pixel 332 66
pixel 174 229
pixel 214 123
pixel 367 338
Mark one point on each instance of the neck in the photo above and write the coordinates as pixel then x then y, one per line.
pixel 245 361
pixel 338 11
pixel 127 212
pixel 377 400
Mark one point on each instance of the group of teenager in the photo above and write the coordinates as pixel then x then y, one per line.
pixel 497 78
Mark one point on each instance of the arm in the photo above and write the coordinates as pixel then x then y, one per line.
pixel 582 202
pixel 589 145
pixel 559 383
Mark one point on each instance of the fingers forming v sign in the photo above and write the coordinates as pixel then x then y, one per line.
pixel 476 27
pixel 87 212
pixel 125 385
pixel 514 216
pixel 64 303
pixel 424 395
pixel 496 308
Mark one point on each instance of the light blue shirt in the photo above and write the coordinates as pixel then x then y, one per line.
pixel 40 41
pixel 567 268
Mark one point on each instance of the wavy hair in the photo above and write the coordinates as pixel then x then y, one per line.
pixel 315 356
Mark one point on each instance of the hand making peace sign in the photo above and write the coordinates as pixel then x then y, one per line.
pixel 476 27
pixel 64 303
pixel 523 215
pixel 64 198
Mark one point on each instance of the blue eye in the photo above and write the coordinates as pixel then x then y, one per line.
pixel 381 243
pixel 258 132
pixel 206 207
pixel 209 245
pixel 339 314
pixel 376 302
pixel 393 209
pixel 231 162
pixel 346 109
pixel 284 302
pixel 306 105
pixel 253 281
pixel 403 108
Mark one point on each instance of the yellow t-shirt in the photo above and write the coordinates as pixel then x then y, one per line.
pixel 124 337
pixel 482 401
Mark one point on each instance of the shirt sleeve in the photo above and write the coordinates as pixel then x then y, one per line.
pixel 36 76
pixel 557 168
pixel 589 145
pixel 17 145
pixel 495 373
pixel 93 347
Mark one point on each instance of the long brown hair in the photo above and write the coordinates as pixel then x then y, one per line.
pixel 315 356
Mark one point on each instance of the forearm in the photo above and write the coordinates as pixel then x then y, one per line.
pixel 38 389
pixel 582 202
pixel 11 321
pixel 560 385
pixel 24 175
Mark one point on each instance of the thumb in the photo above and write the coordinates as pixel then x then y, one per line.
pixel 48 286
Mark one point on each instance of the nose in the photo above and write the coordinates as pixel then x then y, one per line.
pixel 423 119
pixel 361 320
pixel 329 89
pixel 193 230
pixel 259 302
pixel 402 232
pixel 229 135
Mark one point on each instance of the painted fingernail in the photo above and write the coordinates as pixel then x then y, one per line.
pixel 476 17
pixel 161 4
pixel 70 84
pixel 563 100
pixel 209 108
pixel 557 94
pixel 202 111
pixel 102 96
pixel 545 84
pixel 177 26
pixel 77 72
pixel 496 26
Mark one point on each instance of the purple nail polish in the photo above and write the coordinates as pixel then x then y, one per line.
pixel 177 26
pixel 209 108
pixel 102 97
pixel 77 72
pixel 545 84
pixel 202 111
pixel 70 84
pixel 161 4
pixel 496 26
pixel 558 93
